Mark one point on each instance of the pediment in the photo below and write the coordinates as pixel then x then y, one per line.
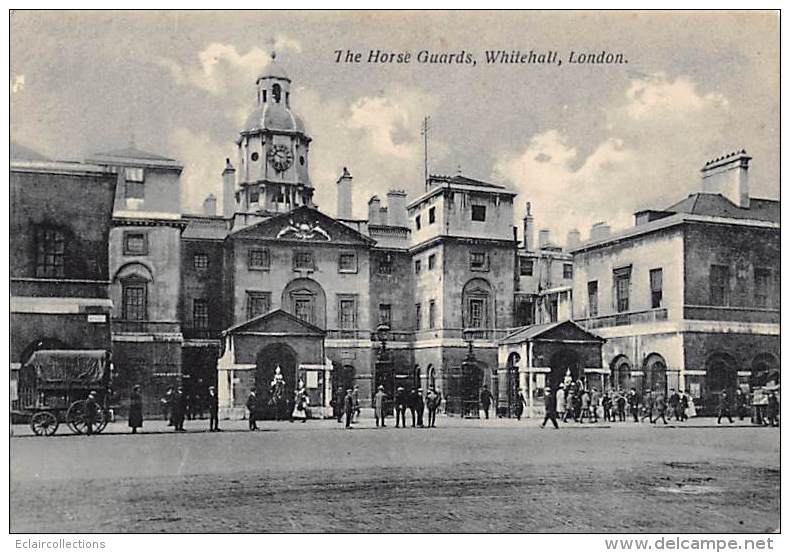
pixel 560 331
pixel 277 321
pixel 305 225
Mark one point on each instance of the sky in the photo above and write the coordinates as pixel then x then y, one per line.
pixel 582 142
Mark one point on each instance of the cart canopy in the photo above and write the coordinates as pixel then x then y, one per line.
pixel 72 368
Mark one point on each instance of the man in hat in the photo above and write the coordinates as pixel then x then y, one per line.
pixel 419 407
pixel 135 409
pixel 91 413
pixel 485 399
pixel 213 410
pixel 179 409
pixel 724 407
pixel 432 401
pixel 400 406
pixel 550 402
pixel 378 406
pixel 348 406
pixel 355 396
pixel 252 407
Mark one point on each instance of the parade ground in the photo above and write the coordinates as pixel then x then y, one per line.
pixel 463 476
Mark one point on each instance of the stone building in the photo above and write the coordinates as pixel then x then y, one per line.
pixel 689 296
pixel 60 220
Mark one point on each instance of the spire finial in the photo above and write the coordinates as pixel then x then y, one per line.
pixel 274 55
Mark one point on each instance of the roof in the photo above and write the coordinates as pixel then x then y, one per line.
pixel 272 315
pixel 133 155
pixel 716 205
pixel 18 151
pixel 274 70
pixel 205 228
pixel 59 167
pixel 438 183
pixel 532 332
pixel 276 117
pixel 460 179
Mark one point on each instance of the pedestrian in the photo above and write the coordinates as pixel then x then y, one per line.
pixel 379 407
pixel 167 406
pixel 689 409
pixel 348 406
pixel 661 408
pixel 135 409
pixel 520 402
pixel 179 409
pixel 486 399
pixel 633 404
pixel 213 410
pixel 419 406
pixel 412 402
pixel 355 396
pixel 621 403
pixel 606 403
pixel 595 401
pixel 740 404
pixel 252 408
pixel 674 405
pixel 585 410
pixel 724 407
pixel 401 401
pixel 432 401
pixel 337 402
pixel 648 403
pixel 570 401
pixel 772 409
pixel 550 402
pixel 90 413
pixel 561 402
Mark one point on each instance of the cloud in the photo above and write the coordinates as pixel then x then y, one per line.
pixel 642 161
pixel 204 160
pixel 18 83
pixel 220 67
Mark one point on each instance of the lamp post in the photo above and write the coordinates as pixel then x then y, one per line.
pixel 382 333
pixel 468 337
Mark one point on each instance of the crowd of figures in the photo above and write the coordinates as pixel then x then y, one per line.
pixel 574 401
pixel 415 402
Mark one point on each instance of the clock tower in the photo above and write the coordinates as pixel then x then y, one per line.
pixel 273 150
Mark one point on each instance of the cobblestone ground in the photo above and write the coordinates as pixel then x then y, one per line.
pixel 465 476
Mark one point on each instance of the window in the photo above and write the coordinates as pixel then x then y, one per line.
pixel 50 247
pixel 347 263
pixel 134 300
pixel 478 261
pixel 432 262
pixel 200 313
pixel 303 307
pixel 254 195
pixel 254 156
pixel 258 303
pixel 719 285
pixel 135 243
pixel 432 314
pixel 385 314
pixel 417 266
pixel 303 260
pixel 258 259
pixel 348 313
pixel 134 174
pixel 200 260
pixel 478 213
pixel 276 93
pixel 431 215
pixel 417 316
pixel 592 298
pixel 567 270
pixel 134 186
pixel 525 267
pixel 622 285
pixel 656 287
pixel 477 312
pixel 417 222
pixel 762 287
pixel 385 265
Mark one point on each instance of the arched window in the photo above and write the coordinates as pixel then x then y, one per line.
pixel 276 93
pixel 621 372
pixel 431 376
pixel 655 370
pixel 133 279
pixel 477 305
pixel 304 298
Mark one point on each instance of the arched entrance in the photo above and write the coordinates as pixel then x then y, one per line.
pixel 655 374
pixel 621 373
pixel 267 361
pixel 720 375
pixel 561 362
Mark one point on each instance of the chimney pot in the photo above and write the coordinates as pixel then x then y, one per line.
pixel 729 176
pixel 344 195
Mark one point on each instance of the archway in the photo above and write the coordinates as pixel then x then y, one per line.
pixel 655 374
pixel 431 376
pixel 621 373
pixel 266 362
pixel 561 363
pixel 477 305
pixel 720 375
pixel 305 299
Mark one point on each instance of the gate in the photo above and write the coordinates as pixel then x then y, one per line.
pixel 463 389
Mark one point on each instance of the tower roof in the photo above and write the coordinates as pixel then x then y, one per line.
pixel 274 70
pixel 274 117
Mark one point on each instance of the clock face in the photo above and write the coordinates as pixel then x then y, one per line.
pixel 281 157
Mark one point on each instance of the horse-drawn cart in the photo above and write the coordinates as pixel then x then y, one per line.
pixel 54 386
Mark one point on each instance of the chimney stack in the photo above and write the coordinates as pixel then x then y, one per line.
pixel 374 211
pixel 529 229
pixel 729 176
pixel 396 203
pixel 228 190
pixel 383 217
pixel 599 231
pixel 210 205
pixel 574 239
pixel 344 210
pixel 543 238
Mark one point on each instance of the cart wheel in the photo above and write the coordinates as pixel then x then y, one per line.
pixel 102 418
pixel 74 417
pixel 44 423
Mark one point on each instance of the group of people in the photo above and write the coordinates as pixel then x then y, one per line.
pixel 414 401
pixel 175 406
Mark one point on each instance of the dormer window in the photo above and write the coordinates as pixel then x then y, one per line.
pixel 276 93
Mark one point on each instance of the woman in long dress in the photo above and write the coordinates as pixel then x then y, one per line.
pixel 135 409
pixel 301 403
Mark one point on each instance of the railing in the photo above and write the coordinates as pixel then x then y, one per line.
pixel 195 333
pixel 731 313
pixel 626 318
pixel 145 327
pixel 343 334
pixel 395 232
